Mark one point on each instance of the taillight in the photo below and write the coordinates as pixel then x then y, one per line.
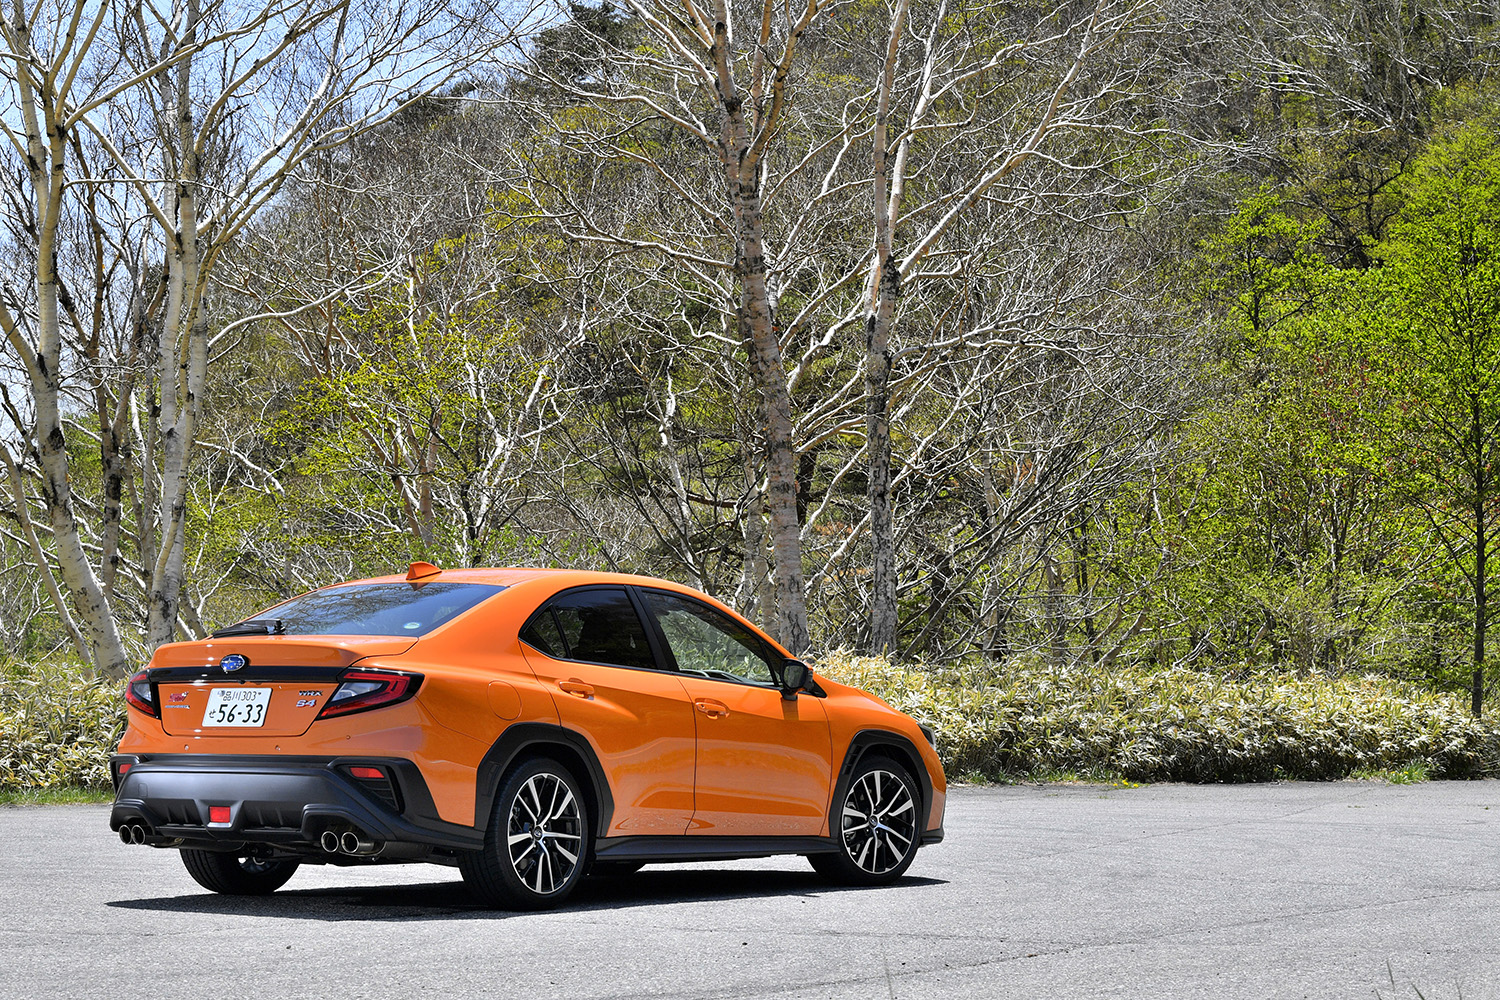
pixel 139 697
pixel 360 690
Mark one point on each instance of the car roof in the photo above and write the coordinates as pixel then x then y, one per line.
pixel 557 580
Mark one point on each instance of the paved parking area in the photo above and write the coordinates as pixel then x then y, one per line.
pixel 1348 889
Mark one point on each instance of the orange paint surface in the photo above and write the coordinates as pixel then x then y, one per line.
pixel 682 753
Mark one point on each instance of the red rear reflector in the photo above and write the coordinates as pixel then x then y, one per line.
pixel 218 814
pixel 366 772
pixel 125 768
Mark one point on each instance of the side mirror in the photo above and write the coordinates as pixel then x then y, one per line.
pixel 794 674
pixel 798 676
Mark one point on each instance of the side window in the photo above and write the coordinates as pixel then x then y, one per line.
pixel 542 633
pixel 598 626
pixel 709 643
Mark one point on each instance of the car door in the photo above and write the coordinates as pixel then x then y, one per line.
pixel 589 648
pixel 763 760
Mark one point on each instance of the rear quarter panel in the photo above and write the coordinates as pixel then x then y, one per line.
pixel 477 683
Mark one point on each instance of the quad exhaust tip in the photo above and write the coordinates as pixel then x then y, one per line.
pixel 132 833
pixel 353 842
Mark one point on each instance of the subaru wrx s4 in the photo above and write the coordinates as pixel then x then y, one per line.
pixel 527 726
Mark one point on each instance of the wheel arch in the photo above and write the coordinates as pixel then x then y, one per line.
pixel 539 739
pixel 883 742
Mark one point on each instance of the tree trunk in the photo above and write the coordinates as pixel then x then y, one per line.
pixel 40 112
pixel 885 289
pixel 750 597
pixel 184 355
pixel 883 607
pixel 758 332
pixel 1476 693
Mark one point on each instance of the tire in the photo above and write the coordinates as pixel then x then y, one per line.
pixel 537 845
pixel 237 874
pixel 616 869
pixel 877 826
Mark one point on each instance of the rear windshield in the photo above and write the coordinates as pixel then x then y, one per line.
pixel 375 608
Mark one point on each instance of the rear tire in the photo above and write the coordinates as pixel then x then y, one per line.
pixel 237 874
pixel 876 826
pixel 537 845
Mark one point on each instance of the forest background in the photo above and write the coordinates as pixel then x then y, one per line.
pixel 1114 381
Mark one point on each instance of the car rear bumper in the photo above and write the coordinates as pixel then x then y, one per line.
pixel 285 802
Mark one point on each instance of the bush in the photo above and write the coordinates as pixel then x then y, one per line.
pixel 58 727
pixel 1025 718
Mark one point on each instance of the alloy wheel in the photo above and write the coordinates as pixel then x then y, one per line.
pixel 879 822
pixel 544 836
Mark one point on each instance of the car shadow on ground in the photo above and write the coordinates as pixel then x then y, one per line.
pixel 451 900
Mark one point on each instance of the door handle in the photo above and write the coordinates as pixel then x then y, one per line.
pixel 577 689
pixel 712 709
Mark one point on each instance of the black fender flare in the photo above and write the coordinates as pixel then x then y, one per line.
pixel 892 745
pixel 526 738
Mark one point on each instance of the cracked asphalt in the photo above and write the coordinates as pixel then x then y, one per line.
pixel 1345 889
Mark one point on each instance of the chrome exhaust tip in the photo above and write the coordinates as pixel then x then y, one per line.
pixel 353 842
pixel 137 834
pixel 329 842
pixel 125 835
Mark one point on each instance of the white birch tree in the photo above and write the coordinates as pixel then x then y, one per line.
pixel 184 121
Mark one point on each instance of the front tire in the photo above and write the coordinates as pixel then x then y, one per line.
pixel 237 874
pixel 877 824
pixel 536 848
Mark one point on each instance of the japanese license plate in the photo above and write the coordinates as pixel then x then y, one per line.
pixel 237 706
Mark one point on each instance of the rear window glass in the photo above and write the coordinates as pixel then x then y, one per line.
pixel 376 608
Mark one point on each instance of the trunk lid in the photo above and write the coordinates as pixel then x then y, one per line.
pixel 255 685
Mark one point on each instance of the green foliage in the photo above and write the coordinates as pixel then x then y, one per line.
pixel 1024 718
pixel 58 726
pixel 1326 518
pixel 1262 267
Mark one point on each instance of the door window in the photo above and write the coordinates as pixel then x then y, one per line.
pixel 709 643
pixel 596 626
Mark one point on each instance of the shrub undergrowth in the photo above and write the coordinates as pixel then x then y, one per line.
pixel 1018 719
pixel 994 721
pixel 58 727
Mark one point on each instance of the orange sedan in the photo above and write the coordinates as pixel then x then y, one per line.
pixel 528 726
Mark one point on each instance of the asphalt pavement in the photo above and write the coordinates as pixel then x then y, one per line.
pixel 1346 889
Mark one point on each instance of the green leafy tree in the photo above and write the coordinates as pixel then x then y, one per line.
pixel 1431 315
